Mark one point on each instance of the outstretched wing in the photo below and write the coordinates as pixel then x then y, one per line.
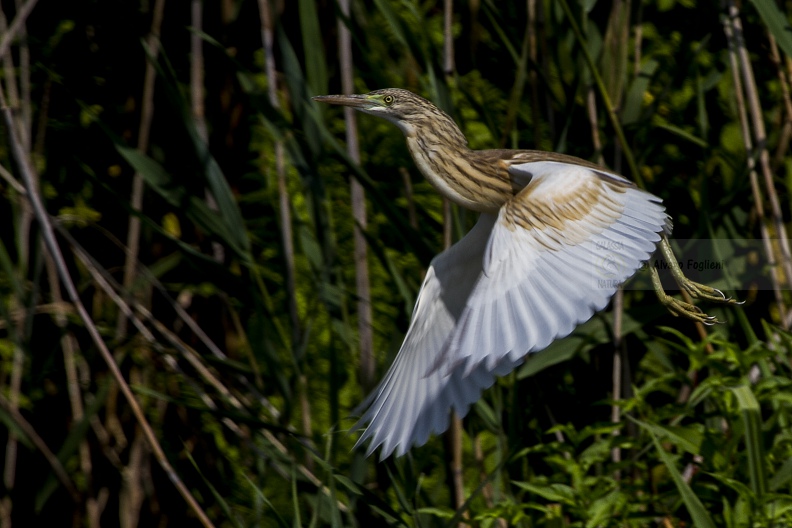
pixel 553 256
pixel 414 399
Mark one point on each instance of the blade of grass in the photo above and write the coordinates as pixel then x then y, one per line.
pixel 257 490
pixel 782 476
pixel 699 514
pixel 614 118
pixel 777 22
pixel 752 421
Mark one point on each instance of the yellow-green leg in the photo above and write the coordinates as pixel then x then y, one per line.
pixel 696 290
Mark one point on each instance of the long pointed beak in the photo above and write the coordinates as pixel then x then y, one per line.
pixel 355 101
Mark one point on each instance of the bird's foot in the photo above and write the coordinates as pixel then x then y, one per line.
pixel 694 289
pixel 679 308
pixel 704 292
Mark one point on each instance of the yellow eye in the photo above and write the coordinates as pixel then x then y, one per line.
pixel 388 99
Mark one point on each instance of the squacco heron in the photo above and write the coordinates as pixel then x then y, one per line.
pixel 556 237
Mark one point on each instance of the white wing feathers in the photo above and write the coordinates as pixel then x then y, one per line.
pixel 553 256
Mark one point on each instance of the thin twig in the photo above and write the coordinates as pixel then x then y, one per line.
pixel 16 26
pixel 533 78
pixel 146 117
pixel 24 79
pixel 12 91
pixel 638 41
pixel 130 498
pixel 284 201
pixel 518 87
pixel 358 197
pixel 760 139
pixel 197 106
pixel 412 213
pixel 609 106
pixel 734 44
pixel 9 178
pixel 456 476
pixel 12 443
pixel 455 431
pixel 543 53
pixel 70 352
pixel 448 37
pixel 617 372
pixel 786 128
pixel 23 240
pixel 34 437
pixel 618 298
pixel 591 107
pixel 486 491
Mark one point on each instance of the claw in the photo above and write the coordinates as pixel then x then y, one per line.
pixel 722 299
pixel 696 290
pixel 679 308
pixel 701 291
pixel 688 311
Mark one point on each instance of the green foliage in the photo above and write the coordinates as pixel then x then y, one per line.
pixel 244 353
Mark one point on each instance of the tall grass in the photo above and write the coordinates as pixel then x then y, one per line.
pixel 185 238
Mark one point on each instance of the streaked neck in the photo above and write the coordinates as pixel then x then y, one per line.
pixel 462 175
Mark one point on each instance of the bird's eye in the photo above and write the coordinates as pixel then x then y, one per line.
pixel 388 99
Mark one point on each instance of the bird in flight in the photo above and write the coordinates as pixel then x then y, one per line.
pixel 556 237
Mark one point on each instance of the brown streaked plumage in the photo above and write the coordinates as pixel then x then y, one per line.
pixel 556 237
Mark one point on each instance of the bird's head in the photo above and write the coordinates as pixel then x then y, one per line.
pixel 406 110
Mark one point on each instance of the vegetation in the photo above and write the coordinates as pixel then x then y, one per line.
pixel 203 272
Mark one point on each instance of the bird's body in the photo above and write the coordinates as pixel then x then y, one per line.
pixel 556 237
pixel 478 180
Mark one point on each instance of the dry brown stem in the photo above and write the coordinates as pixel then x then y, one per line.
pixel 745 89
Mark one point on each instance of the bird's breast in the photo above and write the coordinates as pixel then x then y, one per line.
pixel 457 174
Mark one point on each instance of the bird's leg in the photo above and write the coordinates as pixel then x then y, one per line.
pixel 677 307
pixel 694 289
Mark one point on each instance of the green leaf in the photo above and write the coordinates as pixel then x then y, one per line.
pixel 605 508
pixel 552 492
pixel 682 134
pixel 437 512
pixel 234 231
pixel 752 421
pixel 226 203
pixel 401 30
pixel 777 22
pixel 154 174
pixel 701 518
pixel 488 415
pixel 634 101
pixel 593 332
pixel 782 476
pixel 313 46
pixel 558 352
pixel 259 493
pixel 226 228
pixel 740 487
pixel 687 438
